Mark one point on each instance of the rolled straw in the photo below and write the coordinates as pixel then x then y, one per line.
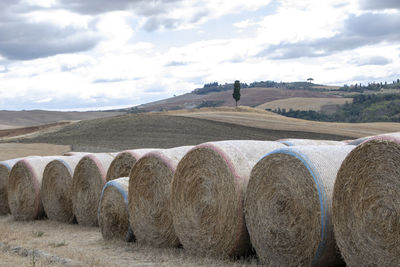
pixel 149 197
pixel 364 139
pixel 113 209
pixel 5 168
pixel 366 204
pixel 24 183
pixel 56 188
pixel 310 142
pixel 207 196
pixel 87 183
pixel 288 206
pixel 122 164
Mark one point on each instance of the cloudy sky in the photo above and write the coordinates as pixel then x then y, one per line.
pixel 91 54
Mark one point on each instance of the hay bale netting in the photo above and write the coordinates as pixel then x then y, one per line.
pixel 113 210
pixel 56 188
pixel 24 183
pixel 310 142
pixel 366 204
pixel 149 197
pixel 122 164
pixel 207 196
pixel 72 153
pixel 364 139
pixel 288 206
pixel 87 183
pixel 5 168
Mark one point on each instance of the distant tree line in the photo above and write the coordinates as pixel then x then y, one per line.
pixel 365 108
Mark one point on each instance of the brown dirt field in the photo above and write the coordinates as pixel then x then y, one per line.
pixel 267 120
pixel 10 132
pixel 58 244
pixel 304 103
pixel 160 131
pixel 15 150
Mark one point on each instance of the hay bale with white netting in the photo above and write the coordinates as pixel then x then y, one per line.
pixel 122 164
pixel 364 139
pixel 5 168
pixel 149 197
pixel 87 183
pixel 207 196
pixel 310 142
pixel 113 209
pixel 56 188
pixel 366 204
pixel 72 153
pixel 24 183
pixel 288 206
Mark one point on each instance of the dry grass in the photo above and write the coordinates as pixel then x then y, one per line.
pixel 17 150
pixel 86 247
pixel 304 103
pixel 267 120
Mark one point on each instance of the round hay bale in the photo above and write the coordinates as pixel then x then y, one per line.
pixel 87 182
pixel 310 142
pixel 207 196
pixel 72 153
pixel 24 183
pixel 288 206
pixel 122 164
pixel 366 204
pixel 149 197
pixel 5 168
pixel 56 188
pixel 113 209
pixel 364 139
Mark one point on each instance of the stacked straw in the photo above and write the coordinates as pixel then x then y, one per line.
pixel 5 168
pixel 364 139
pixel 149 197
pixel 24 183
pixel 113 209
pixel 207 196
pixel 366 204
pixel 87 183
pixel 288 206
pixel 122 164
pixel 310 142
pixel 56 188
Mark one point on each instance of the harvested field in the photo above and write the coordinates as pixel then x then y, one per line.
pixel 19 150
pixel 163 131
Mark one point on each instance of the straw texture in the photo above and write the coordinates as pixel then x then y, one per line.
pixel 366 204
pixel 5 168
pixel 24 183
pixel 113 209
pixel 87 183
pixel 207 196
pixel 122 164
pixel 56 188
pixel 288 206
pixel 364 139
pixel 310 142
pixel 149 197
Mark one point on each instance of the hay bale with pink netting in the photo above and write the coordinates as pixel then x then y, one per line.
pixel 5 168
pixel 310 142
pixel 87 183
pixel 364 139
pixel 113 210
pixel 149 197
pixel 288 206
pixel 122 164
pixel 366 204
pixel 24 183
pixel 56 188
pixel 207 196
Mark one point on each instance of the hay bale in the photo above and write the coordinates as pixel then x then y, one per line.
pixel 310 142
pixel 123 162
pixel 56 188
pixel 364 139
pixel 24 183
pixel 87 183
pixel 113 209
pixel 288 206
pixel 72 153
pixel 149 197
pixel 366 204
pixel 207 196
pixel 5 168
